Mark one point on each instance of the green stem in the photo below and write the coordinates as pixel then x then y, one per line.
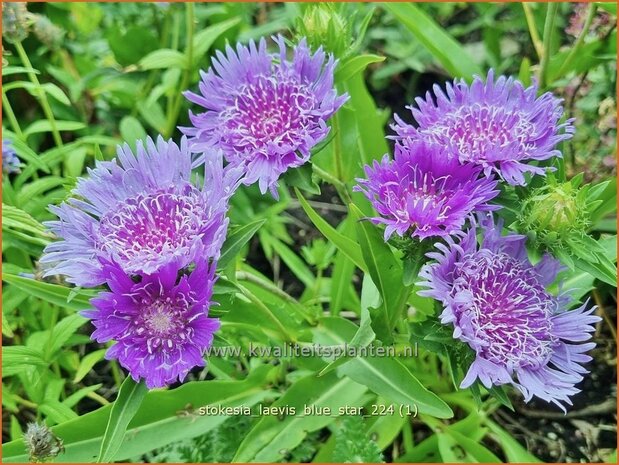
pixel 339 185
pixel 337 148
pixel 537 42
pixel 42 95
pixel 24 402
pixel 6 106
pixel 548 28
pixel 176 107
pixel 580 40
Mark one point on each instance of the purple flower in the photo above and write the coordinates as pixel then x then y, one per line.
pixel 498 125
pixel 423 192
pixel 10 161
pixel 141 213
pixel 160 325
pixel 498 303
pixel 264 111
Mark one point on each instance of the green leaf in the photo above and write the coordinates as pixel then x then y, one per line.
pixel 269 440
pixel 343 270
pixel 292 261
pixel 45 126
pixel 235 241
pixel 439 43
pixel 133 44
pixel 17 219
pixel 164 58
pixel 456 447
pixel 302 178
pixel 63 330
pixel 513 450
pixel 386 272
pixel 364 335
pixel 8 70
pixel 28 155
pixel 6 327
pixel 53 293
pixel 56 92
pixel 386 376
pixel 16 359
pixel 343 243
pixel 355 65
pixel 127 404
pixel 131 130
pixel 89 361
pixel 353 444
pixel 164 417
pixel 204 39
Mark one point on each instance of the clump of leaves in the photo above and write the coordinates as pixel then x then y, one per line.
pixel 352 444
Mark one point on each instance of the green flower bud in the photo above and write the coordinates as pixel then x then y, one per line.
pixel 46 31
pixel 41 443
pixel 322 25
pixel 15 21
pixel 555 214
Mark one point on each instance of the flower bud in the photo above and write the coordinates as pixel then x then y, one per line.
pixel 556 213
pixel 324 26
pixel 15 21
pixel 41 443
pixel 46 31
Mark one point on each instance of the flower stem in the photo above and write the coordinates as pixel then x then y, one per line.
pixel 47 110
pixel 6 106
pixel 337 149
pixel 580 40
pixel 176 106
pixel 339 185
pixel 537 42
pixel 548 28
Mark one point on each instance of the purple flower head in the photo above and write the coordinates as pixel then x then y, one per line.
pixel 160 324
pixel 141 212
pixel 264 111
pixel 423 192
pixel 10 161
pixel 498 303
pixel 499 125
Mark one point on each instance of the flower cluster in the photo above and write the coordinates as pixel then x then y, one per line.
pixel 500 125
pixel 264 112
pixel 445 170
pixel 425 192
pixel 498 303
pixel 145 227
pixel 138 224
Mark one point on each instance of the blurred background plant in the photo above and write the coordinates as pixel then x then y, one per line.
pixel 78 78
